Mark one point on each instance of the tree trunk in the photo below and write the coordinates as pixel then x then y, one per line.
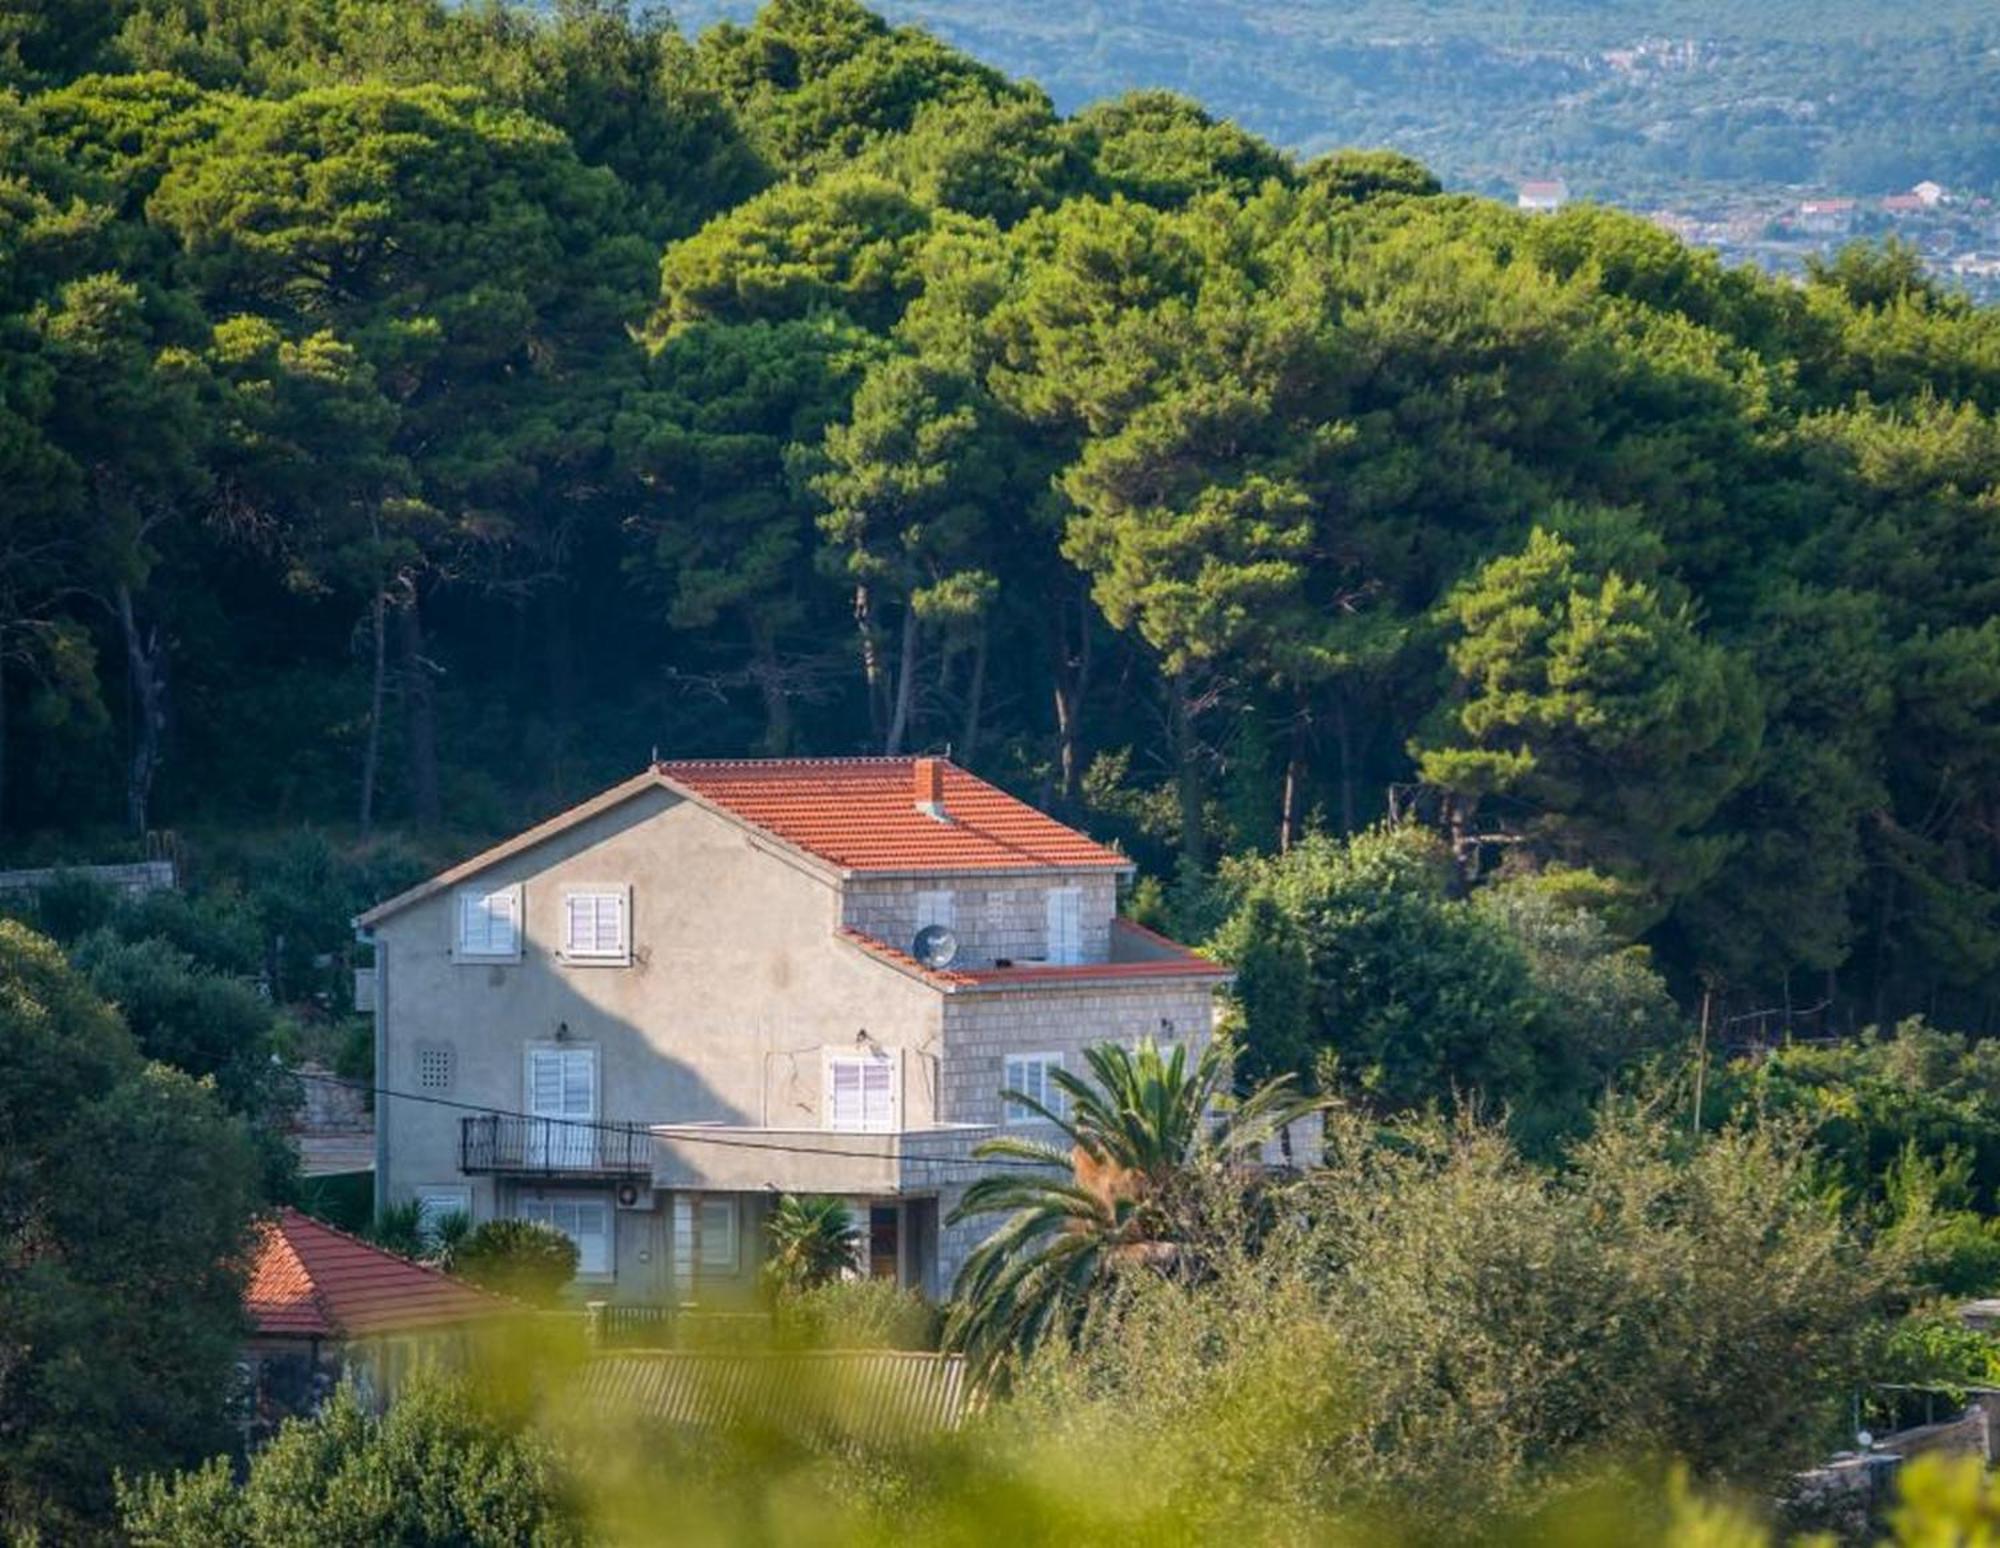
pixel 1188 782
pixel 871 661
pixel 146 668
pixel 1069 672
pixel 371 756
pixel 1344 739
pixel 419 717
pixel 906 685
pixel 1288 812
pixel 975 696
pixel 770 683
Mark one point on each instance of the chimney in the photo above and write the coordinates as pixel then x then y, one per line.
pixel 928 787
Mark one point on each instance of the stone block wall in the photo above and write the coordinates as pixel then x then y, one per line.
pixel 981 1030
pixel 994 917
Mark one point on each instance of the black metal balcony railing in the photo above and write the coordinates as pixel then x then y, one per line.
pixel 496 1143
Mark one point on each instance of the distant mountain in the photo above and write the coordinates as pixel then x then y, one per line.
pixel 1635 103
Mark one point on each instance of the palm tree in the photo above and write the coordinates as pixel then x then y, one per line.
pixel 813 1241
pixel 1106 1200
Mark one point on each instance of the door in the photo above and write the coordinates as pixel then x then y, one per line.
pixel 562 1107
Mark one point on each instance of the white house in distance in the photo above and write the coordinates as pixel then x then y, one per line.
pixel 718 982
pixel 1542 195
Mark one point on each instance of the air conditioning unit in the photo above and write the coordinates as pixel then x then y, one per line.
pixel 633 1195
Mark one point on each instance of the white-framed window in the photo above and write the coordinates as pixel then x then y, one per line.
pixel 937 908
pixel 718 1235
pixel 597 924
pixel 488 924
pixel 435 1202
pixel 560 1082
pixel 1065 916
pixel 587 1222
pixel 1029 1075
pixel 861 1091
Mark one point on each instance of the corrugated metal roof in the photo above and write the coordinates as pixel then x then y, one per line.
pixel 868 1395
pixel 309 1279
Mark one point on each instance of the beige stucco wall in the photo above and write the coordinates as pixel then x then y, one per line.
pixel 738 987
pixel 735 987
pixel 994 916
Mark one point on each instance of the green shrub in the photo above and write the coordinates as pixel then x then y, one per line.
pixel 813 1241
pixel 525 1259
pixel 439 1467
pixel 856 1314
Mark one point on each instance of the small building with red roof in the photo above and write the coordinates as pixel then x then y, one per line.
pixel 726 979
pixel 322 1304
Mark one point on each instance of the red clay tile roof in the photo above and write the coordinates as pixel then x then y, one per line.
pixel 860 814
pixel 309 1279
pixel 856 814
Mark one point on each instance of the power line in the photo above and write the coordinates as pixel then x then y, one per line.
pixel 603 1126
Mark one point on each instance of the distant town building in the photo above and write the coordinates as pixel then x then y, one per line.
pixel 1543 194
pixel 1930 193
pixel 1903 204
pixel 1826 217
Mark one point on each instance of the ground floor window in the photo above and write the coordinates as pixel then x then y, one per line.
pixel 587 1222
pixel 437 1204
pixel 718 1235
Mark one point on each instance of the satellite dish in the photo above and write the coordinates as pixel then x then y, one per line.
pixel 935 946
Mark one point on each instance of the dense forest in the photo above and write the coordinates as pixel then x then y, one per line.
pixel 413 416
pixel 1636 102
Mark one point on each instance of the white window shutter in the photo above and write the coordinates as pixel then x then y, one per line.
pixel 489 923
pixel 545 1082
pixel 595 925
pixel 878 1094
pixel 579 1083
pixel 846 1078
pixel 1065 922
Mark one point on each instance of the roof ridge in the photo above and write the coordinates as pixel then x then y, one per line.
pixel 857 759
pixel 388 1252
pixel 274 1233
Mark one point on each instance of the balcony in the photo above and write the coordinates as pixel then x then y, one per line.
pixel 550 1147
pixel 876 1163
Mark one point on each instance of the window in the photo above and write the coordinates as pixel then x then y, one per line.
pixel 1065 906
pixel 937 908
pixel 433 1067
pixel 587 1222
pixel 561 1083
pixel 489 925
pixel 595 926
pixel 1029 1075
pixel 718 1235
pixel 436 1203
pixel 861 1092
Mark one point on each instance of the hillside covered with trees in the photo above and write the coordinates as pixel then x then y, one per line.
pixel 413 416
pixel 1636 102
